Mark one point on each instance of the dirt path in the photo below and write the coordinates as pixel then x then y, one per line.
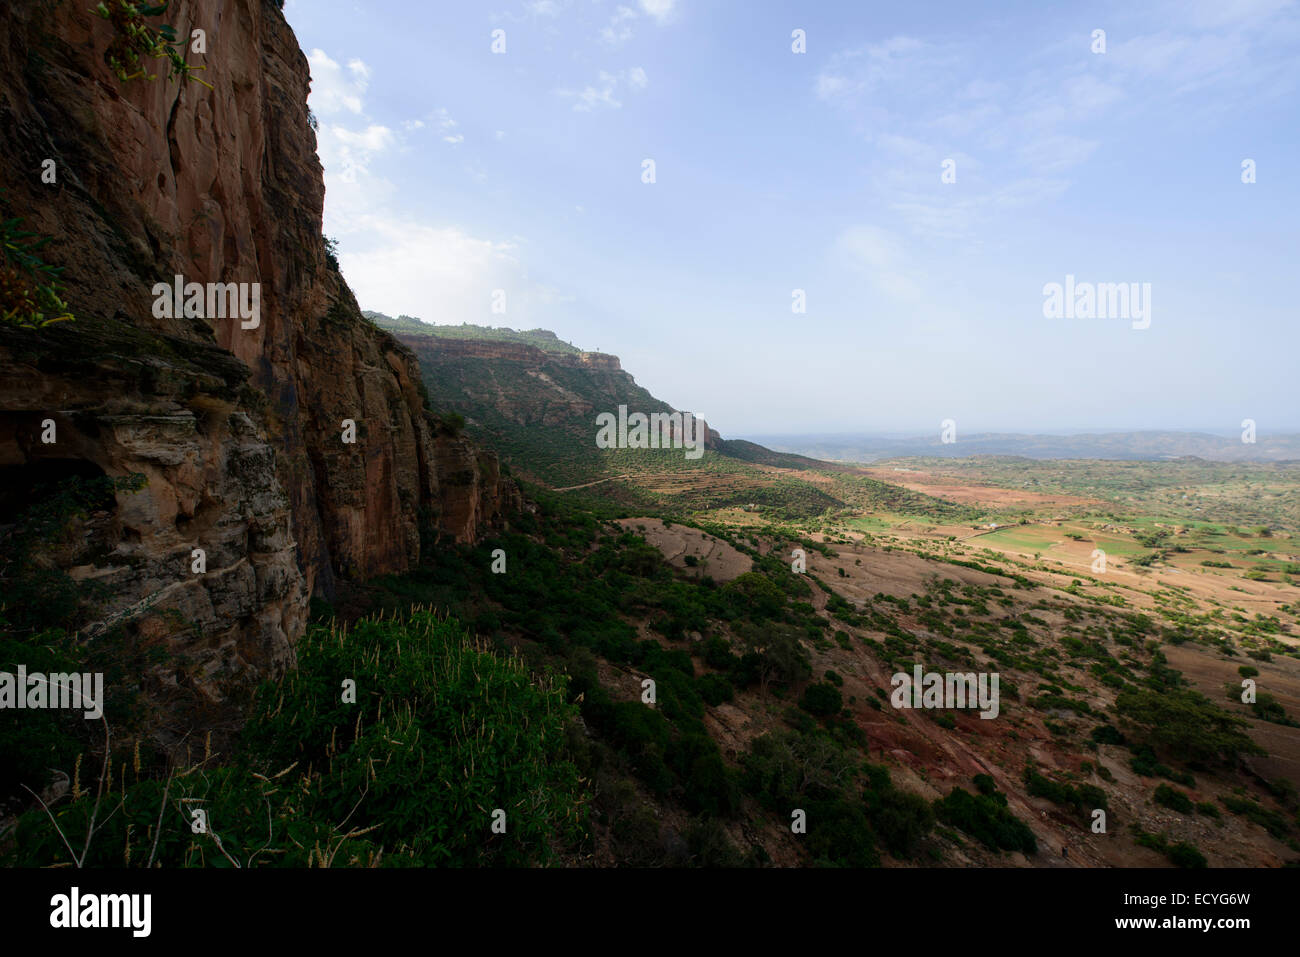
pixel 571 488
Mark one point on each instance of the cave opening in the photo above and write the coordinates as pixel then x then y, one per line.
pixel 40 481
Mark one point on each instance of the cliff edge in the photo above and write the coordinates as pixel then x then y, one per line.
pixel 239 420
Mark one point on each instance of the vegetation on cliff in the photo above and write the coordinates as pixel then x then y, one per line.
pixel 30 294
pixel 542 339
pixel 442 734
pixel 135 40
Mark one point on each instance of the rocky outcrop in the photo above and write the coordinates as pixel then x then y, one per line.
pixel 293 449
pixel 199 560
pixel 538 406
pixel 450 348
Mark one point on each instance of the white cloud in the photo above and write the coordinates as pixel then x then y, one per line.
pixel 347 154
pixel 829 86
pixel 592 97
pixel 605 92
pixel 550 296
pixel 887 64
pixel 393 261
pixel 443 274
pixel 1031 122
pixel 332 89
pixel 619 28
pixel 360 72
pixel 1054 152
pixel 442 118
pixel 661 10
pixel 1213 14
pixel 372 139
pixel 1088 94
pixel 879 256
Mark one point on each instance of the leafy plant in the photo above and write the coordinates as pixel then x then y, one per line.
pixel 442 734
pixel 134 41
pixel 30 295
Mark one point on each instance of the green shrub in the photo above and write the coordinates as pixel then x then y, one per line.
pixel 839 835
pixel 715 689
pixel 821 700
pixel 900 819
pixel 1271 821
pixel 1174 799
pixel 708 785
pixel 1082 797
pixel 717 653
pixel 1186 855
pixel 986 818
pixel 1184 723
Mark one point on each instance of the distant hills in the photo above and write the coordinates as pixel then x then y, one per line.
pixel 536 404
pixel 531 396
pixel 534 399
pixel 519 402
pixel 542 339
pixel 1152 446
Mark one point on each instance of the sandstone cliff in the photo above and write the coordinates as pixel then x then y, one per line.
pixel 239 431
pixel 510 352
pixel 537 406
pixel 528 386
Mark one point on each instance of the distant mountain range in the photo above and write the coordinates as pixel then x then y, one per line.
pixel 534 399
pixel 1153 446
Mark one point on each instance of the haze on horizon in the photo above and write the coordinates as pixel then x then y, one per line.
pixel 452 172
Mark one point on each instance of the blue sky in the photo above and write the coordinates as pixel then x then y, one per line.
pixel 452 171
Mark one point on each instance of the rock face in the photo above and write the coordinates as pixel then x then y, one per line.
pixel 528 386
pixel 538 407
pixel 511 352
pixel 239 428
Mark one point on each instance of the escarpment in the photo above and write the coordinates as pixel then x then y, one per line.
pixel 511 352
pixel 280 448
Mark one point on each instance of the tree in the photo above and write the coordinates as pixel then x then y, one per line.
pixel 1184 723
pixel 822 700
pixel 782 658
